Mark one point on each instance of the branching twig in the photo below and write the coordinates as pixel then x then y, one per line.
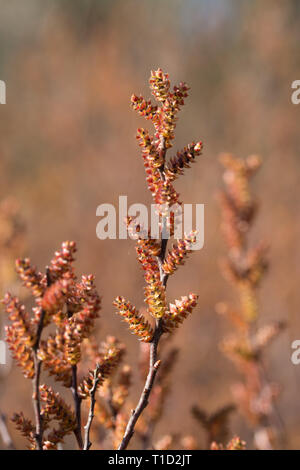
pixel 143 401
pixel 87 427
pixel 159 179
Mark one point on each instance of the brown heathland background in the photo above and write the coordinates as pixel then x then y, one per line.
pixel 67 144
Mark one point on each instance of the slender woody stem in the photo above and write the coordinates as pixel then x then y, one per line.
pixel 87 427
pixel 77 403
pixel 143 401
pixel 36 386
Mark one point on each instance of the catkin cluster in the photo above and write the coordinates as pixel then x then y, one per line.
pixel 244 268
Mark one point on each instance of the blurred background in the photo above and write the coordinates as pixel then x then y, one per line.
pixel 67 144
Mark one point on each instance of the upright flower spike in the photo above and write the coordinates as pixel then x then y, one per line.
pixel 144 241
pixel 248 300
pixel 179 253
pixel 20 319
pixel 81 324
pixel 25 427
pixel 62 261
pixel 257 263
pixel 53 355
pixel 165 196
pixel 20 335
pixel 54 407
pixel 236 177
pixel 32 279
pixel 169 111
pixel 82 309
pixel 157 265
pixel 149 150
pixel 265 335
pixel 72 343
pixel 244 269
pixel 178 312
pixel 160 85
pixel 152 159
pixel 183 159
pixel 109 359
pixel 145 108
pixel 137 324
pixel 238 350
pixel 154 291
pixel 164 119
pixel 54 297
pixel 238 209
pixel 55 437
pixel 231 226
pixel 21 352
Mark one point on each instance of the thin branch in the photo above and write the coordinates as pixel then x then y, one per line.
pixel 87 427
pixel 5 435
pixel 77 403
pixel 143 401
pixel 36 386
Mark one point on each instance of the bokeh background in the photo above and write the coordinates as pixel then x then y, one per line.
pixel 67 144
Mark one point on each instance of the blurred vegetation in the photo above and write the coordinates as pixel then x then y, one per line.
pixel 67 145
